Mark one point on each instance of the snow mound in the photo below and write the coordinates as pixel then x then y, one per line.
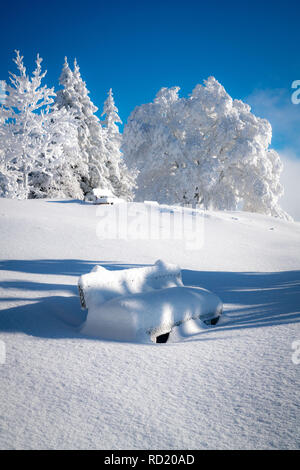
pixel 140 304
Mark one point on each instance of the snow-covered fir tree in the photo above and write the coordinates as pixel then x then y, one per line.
pixel 122 180
pixel 74 98
pixel 110 111
pixel 97 144
pixel 207 149
pixel 36 138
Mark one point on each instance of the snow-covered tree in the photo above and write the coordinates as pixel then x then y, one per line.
pixel 60 177
pixel 110 111
pixel 122 180
pixel 74 96
pixel 207 149
pixel 99 146
pixel 35 138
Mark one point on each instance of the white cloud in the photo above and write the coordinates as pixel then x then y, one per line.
pixel 276 106
pixel 290 179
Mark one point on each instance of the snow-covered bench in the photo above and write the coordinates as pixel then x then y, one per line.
pixel 142 304
pixel 102 196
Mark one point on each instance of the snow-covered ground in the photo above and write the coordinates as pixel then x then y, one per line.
pixel 230 386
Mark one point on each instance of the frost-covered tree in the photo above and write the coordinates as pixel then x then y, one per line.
pixel 99 146
pixel 35 138
pixel 122 180
pixel 110 111
pixel 207 149
pixel 74 97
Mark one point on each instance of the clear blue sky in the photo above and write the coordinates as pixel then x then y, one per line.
pixel 136 47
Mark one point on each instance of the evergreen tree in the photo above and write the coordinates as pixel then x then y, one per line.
pixel 34 137
pixel 99 146
pixel 110 111
pixel 121 179
pixel 74 96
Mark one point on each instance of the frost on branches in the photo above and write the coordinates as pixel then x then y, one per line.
pixel 121 179
pixel 54 145
pixel 99 146
pixel 207 149
pixel 38 144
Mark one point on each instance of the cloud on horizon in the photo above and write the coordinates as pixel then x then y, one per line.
pixel 276 106
pixel 290 180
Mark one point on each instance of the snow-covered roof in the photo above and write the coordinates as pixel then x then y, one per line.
pixel 99 193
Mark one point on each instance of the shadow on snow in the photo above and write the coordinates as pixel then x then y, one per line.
pixel 251 299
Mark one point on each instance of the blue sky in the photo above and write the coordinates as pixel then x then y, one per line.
pixel 136 47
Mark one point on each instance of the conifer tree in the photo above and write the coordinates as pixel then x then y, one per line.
pixel 35 137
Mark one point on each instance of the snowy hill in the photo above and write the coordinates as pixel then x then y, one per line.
pixel 230 386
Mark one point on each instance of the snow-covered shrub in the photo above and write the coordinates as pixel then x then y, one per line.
pixel 207 149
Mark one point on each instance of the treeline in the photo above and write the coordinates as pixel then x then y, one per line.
pixel 52 144
pixel 207 149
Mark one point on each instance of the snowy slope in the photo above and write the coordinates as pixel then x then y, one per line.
pixel 231 386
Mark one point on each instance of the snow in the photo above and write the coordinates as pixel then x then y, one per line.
pixel 98 192
pixel 230 386
pixel 139 304
pixel 101 284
